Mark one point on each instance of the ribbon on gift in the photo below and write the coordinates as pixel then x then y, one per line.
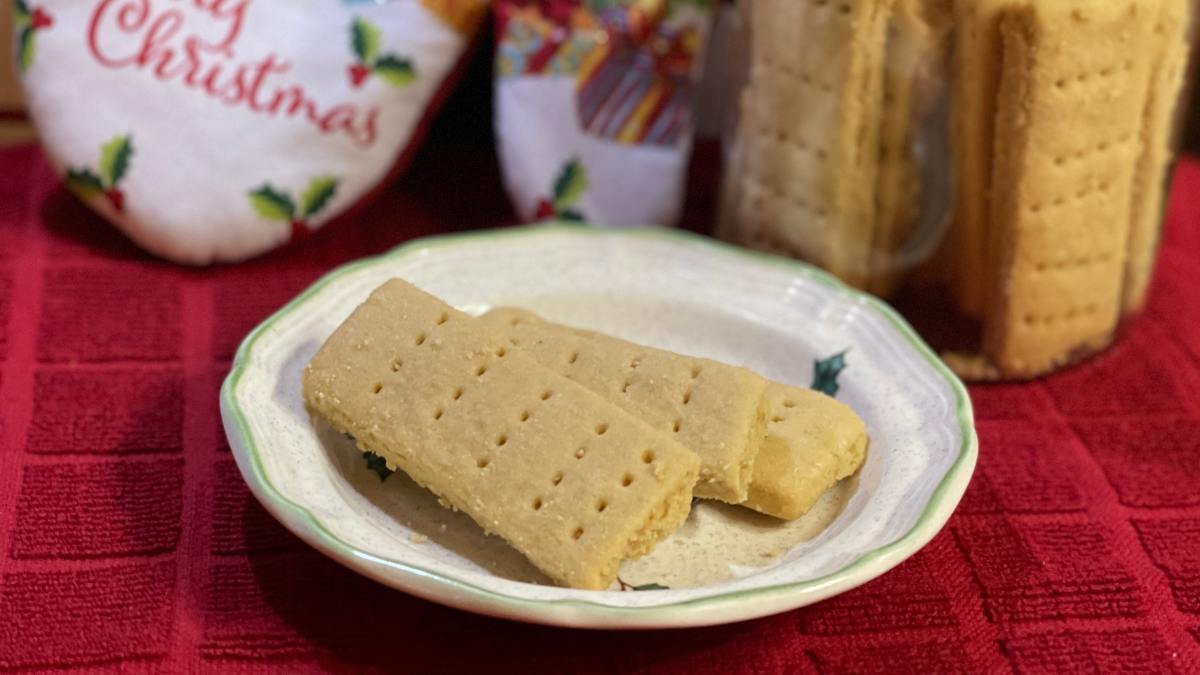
pixel 633 60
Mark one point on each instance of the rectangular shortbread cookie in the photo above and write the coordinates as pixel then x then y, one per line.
pixel 809 442
pixel 1070 103
pixel 975 69
pixel 812 442
pixel 912 73
pixel 571 481
pixel 1167 73
pixel 710 407
pixel 805 158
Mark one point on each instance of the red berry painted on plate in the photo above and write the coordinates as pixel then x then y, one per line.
pixel 544 210
pixel 358 74
pixel 117 199
pixel 299 230
pixel 41 19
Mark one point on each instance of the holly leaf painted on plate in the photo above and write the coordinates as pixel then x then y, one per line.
pixel 826 371
pixel 395 70
pixel 114 160
pixel 25 48
pixel 378 465
pixel 272 204
pixel 571 215
pixel 570 185
pixel 364 40
pixel 84 183
pixel 317 195
pixel 21 9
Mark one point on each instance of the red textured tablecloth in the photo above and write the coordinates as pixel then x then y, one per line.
pixel 128 539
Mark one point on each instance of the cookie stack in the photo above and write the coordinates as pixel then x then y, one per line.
pixel 1061 126
pixel 823 162
pixel 579 449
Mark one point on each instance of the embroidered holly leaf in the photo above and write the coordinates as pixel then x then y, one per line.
pixel 84 183
pixel 365 40
pixel 317 195
pixel 272 204
pixel 25 48
pixel 826 371
pixel 114 160
pixel 378 465
pixel 21 10
pixel 570 185
pixel 395 70
pixel 571 215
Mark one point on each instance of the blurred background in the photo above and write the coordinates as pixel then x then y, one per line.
pixel 14 128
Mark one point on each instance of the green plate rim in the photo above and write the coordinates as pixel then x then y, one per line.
pixel 917 536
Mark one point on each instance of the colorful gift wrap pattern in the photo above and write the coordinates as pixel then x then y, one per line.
pixel 625 72
pixel 633 62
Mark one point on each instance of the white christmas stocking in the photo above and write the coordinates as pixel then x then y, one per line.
pixel 594 106
pixel 215 130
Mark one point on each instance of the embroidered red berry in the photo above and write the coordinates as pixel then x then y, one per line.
pixel 277 206
pixel 569 186
pixel 358 74
pixel 27 22
pixel 299 230
pixel 41 19
pixel 116 198
pixel 392 68
pixel 545 209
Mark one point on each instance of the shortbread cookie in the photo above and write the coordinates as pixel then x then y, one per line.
pixel 812 442
pixel 805 154
pixel 573 482
pixel 912 73
pixel 809 442
pixel 1149 181
pixel 856 157
pixel 710 407
pixel 1070 103
pixel 975 69
pixel 788 120
pixel 971 366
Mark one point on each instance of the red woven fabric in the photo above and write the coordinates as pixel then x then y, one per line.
pixel 128 539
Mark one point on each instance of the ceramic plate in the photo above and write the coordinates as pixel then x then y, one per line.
pixel 663 288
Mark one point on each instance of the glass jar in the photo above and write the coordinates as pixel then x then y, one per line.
pixel 1057 119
